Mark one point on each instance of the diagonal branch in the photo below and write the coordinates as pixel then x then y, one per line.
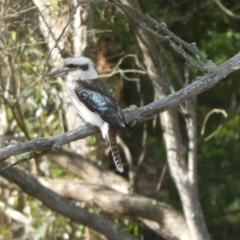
pixel 142 20
pixel 81 166
pixel 141 114
pixel 30 185
pixel 133 205
pixel 47 143
pixel 204 83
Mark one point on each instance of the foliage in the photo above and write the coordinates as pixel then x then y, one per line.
pixel 217 36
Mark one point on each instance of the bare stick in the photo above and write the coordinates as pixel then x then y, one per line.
pixel 59 38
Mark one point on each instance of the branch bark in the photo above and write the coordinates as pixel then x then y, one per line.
pixel 141 114
pixel 83 167
pixel 30 185
pixel 171 223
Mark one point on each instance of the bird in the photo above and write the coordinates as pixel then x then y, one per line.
pixel 94 100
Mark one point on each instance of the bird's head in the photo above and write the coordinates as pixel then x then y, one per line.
pixel 76 68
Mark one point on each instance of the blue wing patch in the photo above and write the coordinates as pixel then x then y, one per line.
pixel 98 97
pixel 93 100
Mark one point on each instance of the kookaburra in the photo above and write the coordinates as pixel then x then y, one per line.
pixel 94 100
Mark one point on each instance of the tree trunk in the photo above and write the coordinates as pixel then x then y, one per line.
pixel 73 43
pixel 184 178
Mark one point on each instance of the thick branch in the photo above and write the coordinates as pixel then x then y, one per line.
pixel 172 224
pixel 83 167
pixel 206 82
pixel 50 143
pixel 139 115
pixel 34 188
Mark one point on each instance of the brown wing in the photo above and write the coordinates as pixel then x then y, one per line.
pixel 99 98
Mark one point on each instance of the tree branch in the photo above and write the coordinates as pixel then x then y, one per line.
pixel 141 114
pixel 226 10
pixel 47 143
pixel 14 214
pixel 111 201
pixel 83 167
pixel 204 83
pixel 30 185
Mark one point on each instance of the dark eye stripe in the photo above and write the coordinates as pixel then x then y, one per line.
pixel 83 67
pixel 72 66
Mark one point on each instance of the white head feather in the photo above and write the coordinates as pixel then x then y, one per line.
pixel 80 73
pixel 77 68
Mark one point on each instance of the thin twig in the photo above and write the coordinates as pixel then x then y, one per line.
pixel 226 10
pixel 59 38
pixel 215 110
pixel 26 158
pixel 116 69
pixel 158 187
pixel 191 47
pixel 174 41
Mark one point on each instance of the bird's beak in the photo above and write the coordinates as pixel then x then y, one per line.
pixel 58 72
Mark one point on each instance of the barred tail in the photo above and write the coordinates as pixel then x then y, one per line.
pixel 112 137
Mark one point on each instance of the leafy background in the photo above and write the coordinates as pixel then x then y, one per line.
pixel 34 109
